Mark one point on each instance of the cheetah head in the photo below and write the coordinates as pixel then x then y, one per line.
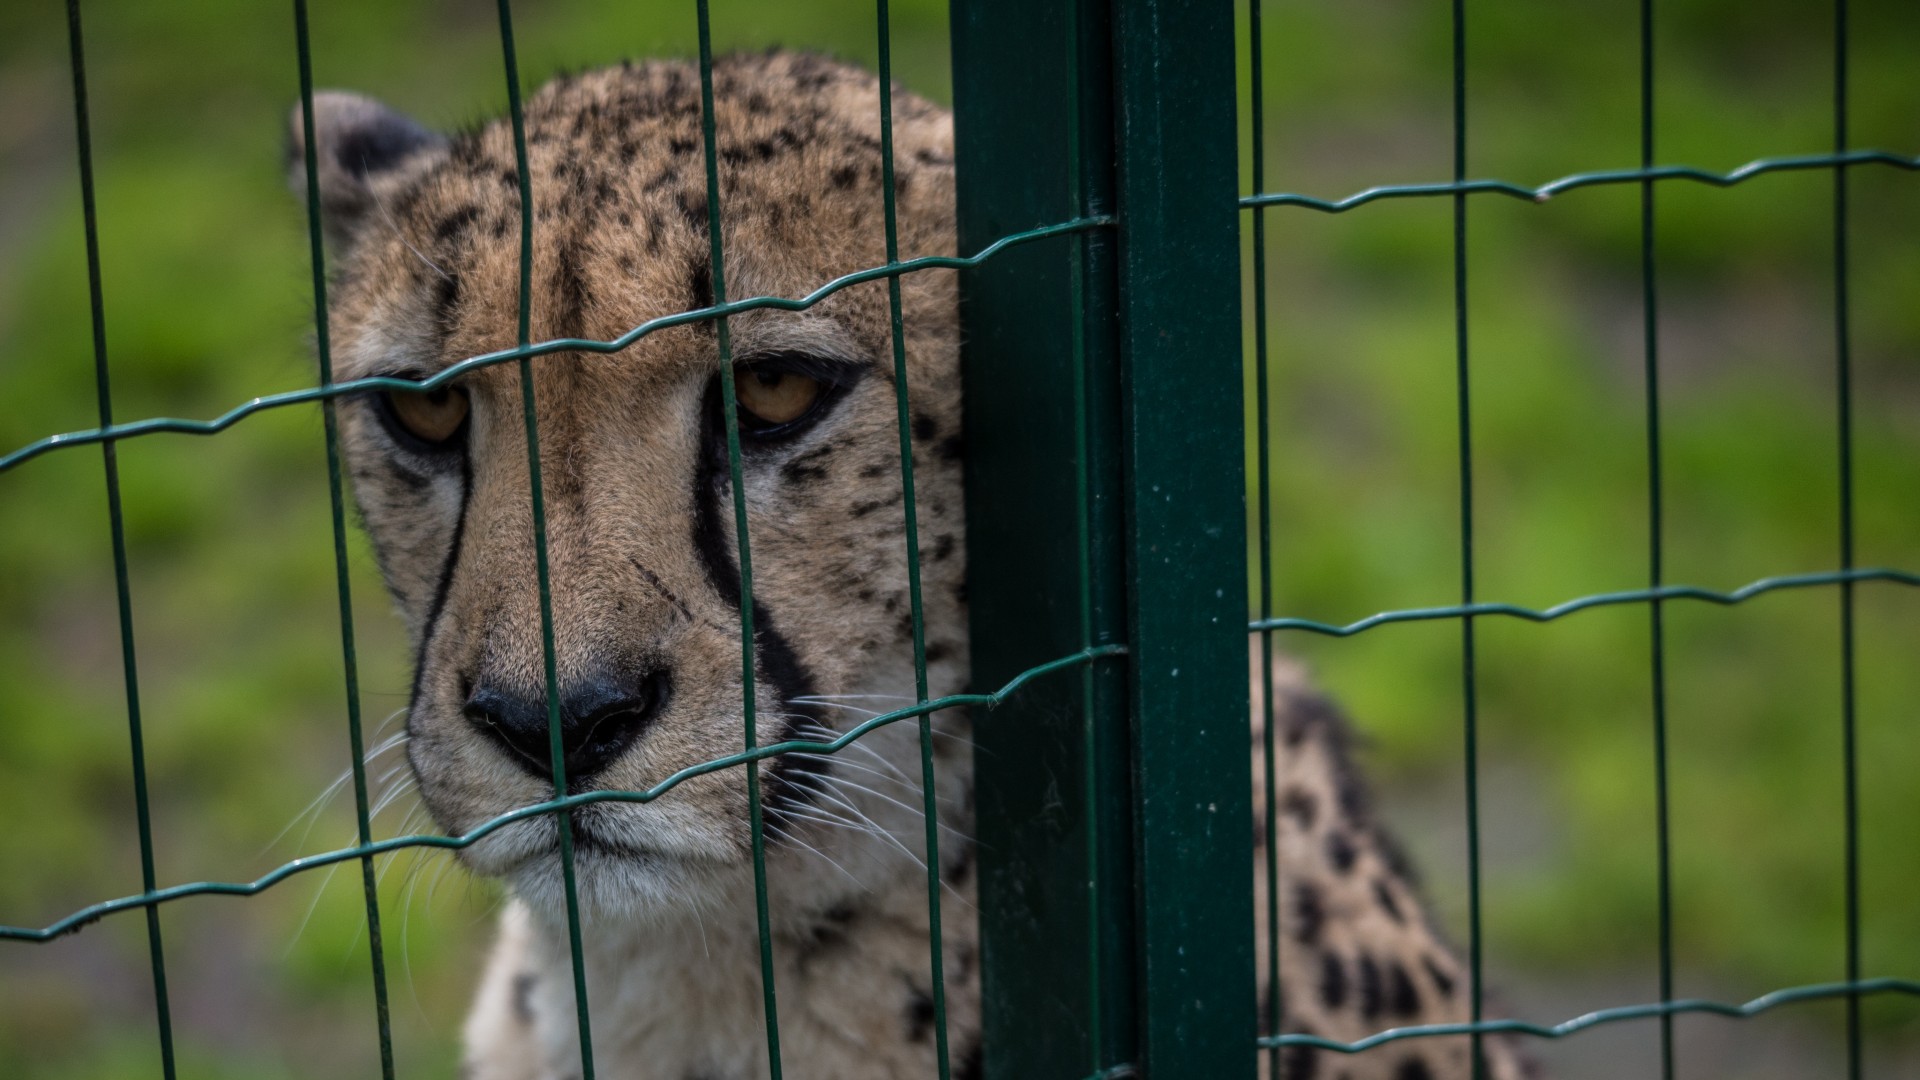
pixel 424 241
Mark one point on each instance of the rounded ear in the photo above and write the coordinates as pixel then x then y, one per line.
pixel 360 143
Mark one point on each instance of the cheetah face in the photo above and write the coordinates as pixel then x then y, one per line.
pixel 424 237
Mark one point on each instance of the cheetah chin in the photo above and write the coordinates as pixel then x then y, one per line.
pixel 423 231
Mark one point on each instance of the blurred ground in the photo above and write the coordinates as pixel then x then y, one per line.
pixel 207 305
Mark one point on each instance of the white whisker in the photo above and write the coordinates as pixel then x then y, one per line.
pixel 895 777
pixel 788 837
pixel 876 827
pixel 919 811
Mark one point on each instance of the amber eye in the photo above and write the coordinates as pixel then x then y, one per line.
pixel 771 398
pixel 433 417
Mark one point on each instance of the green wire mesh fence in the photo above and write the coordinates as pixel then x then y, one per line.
pixel 1646 176
pixel 1100 223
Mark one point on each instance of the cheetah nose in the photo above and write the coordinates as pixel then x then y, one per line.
pixel 599 719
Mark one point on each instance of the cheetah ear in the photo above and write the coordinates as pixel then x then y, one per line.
pixel 361 146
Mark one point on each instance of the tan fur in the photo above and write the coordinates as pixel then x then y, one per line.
pixel 426 249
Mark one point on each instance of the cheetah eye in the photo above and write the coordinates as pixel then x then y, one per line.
pixel 771 399
pixel 434 418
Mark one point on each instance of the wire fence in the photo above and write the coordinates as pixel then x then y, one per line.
pixel 1130 228
pixel 1647 176
pixel 108 435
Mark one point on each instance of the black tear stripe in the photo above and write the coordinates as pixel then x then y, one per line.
pixel 788 782
pixel 441 589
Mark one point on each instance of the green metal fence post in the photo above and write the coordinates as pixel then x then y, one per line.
pixel 1115 825
pixel 1180 350
pixel 1032 112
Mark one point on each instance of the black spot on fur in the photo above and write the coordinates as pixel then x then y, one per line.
pixel 663 178
pixel 446 299
pixel 523 985
pixel 845 176
pixel 1402 998
pixel 938 651
pixel 1333 981
pixel 1340 851
pixel 919 1014
pixel 693 207
pixel 1372 1000
pixel 1383 896
pixel 924 427
pixel 808 467
pixel 700 291
pixel 822 937
pixel 943 548
pixel 1310 914
pixel 1442 981
pixel 1413 1069
pixel 960 868
pixel 875 471
pixel 801 471
pixel 572 317
pixel 1301 806
pixel 455 224
pixel 862 509
pixel 1300 1062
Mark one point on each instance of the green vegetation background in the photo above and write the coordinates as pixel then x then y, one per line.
pixel 207 305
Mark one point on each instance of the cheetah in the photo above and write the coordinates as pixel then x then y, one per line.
pixel 424 237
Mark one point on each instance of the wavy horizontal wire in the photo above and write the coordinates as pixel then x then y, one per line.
pixel 172 425
pixel 1587 179
pixel 1618 1014
pixel 98 911
pixel 1629 596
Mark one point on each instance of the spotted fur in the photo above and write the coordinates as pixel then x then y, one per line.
pixel 424 232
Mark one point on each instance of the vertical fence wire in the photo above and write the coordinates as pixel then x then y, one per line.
pixel 890 211
pixel 1083 525
pixel 724 339
pixel 1843 374
pixel 1256 75
pixel 1468 663
pixel 369 881
pixel 556 752
pixel 116 524
pixel 1656 536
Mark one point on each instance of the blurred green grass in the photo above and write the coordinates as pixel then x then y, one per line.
pixel 207 305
